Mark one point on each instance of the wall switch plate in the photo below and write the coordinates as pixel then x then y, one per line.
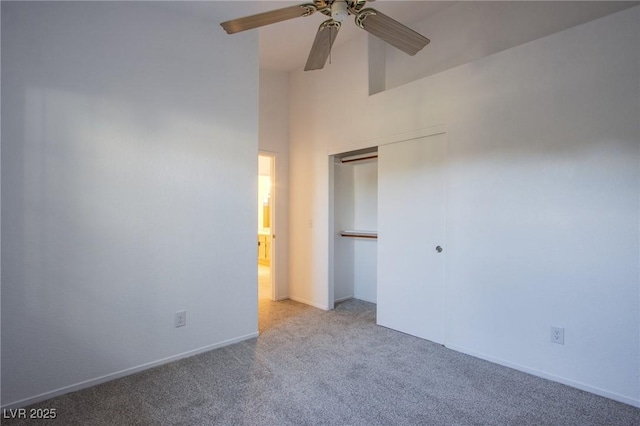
pixel 557 335
pixel 181 319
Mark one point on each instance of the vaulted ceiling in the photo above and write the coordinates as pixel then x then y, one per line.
pixel 285 46
pixel 495 25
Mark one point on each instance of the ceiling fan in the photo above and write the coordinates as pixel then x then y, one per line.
pixel 370 20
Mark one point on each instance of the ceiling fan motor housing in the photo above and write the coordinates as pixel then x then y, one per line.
pixel 339 10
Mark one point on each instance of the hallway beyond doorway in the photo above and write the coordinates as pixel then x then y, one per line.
pixel 264 282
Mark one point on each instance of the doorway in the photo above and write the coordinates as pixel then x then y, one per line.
pixel 266 226
pixel 354 218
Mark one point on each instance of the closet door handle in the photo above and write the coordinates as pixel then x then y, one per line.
pixel 439 249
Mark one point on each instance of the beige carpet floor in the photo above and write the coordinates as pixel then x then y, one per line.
pixel 311 367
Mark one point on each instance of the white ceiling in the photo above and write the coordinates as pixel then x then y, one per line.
pixel 284 46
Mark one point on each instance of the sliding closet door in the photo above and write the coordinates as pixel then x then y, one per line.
pixel 411 230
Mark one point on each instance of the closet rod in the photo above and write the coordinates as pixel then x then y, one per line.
pixel 359 234
pixel 351 160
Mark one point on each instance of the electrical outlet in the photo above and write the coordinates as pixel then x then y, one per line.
pixel 557 335
pixel 181 319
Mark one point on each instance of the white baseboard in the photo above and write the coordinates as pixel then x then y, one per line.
pixel 565 381
pixel 108 377
pixel 343 299
pixel 307 302
pixel 365 300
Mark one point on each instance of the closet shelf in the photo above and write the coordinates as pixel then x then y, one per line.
pixel 360 234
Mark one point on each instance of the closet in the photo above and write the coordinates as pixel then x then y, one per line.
pixel 388 232
pixel 355 225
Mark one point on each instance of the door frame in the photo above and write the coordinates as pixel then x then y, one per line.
pixel 273 214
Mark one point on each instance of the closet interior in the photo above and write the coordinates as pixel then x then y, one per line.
pixel 355 215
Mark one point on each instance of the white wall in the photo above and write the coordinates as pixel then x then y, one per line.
pixel 365 218
pixel 274 138
pixel 542 194
pixel 343 255
pixel 342 122
pixel 129 152
pixel 474 38
pixel 365 195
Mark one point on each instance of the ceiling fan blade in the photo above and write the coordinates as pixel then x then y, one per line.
pixel 266 18
pixel 391 31
pixel 322 45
